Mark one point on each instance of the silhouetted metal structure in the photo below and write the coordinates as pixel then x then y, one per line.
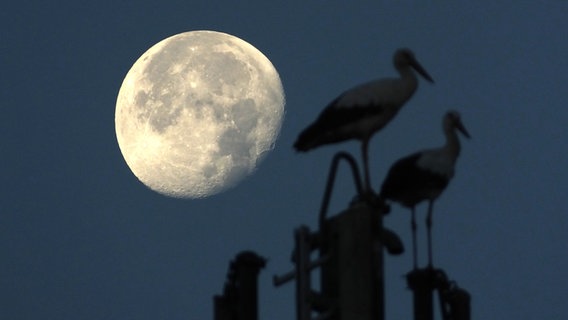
pixel 350 247
pixel 240 293
pixel 454 301
pixel 350 259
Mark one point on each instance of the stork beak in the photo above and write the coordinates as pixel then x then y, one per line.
pixel 462 129
pixel 421 71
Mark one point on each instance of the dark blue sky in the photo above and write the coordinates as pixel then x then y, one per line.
pixel 82 238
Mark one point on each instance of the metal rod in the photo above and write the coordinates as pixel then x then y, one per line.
pixel 331 179
pixel 303 282
pixel 280 280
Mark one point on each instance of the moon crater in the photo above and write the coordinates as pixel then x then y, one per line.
pixel 197 113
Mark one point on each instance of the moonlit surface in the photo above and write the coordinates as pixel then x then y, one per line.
pixel 197 112
pixel 83 239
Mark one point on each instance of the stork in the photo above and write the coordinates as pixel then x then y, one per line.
pixel 365 109
pixel 424 175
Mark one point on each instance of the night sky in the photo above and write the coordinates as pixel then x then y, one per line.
pixel 82 238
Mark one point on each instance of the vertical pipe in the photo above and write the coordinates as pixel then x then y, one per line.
pixel 420 281
pixel 303 281
pixel 247 267
pixel 353 277
pixel 377 253
pixel 239 300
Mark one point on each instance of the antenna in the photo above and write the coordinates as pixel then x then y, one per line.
pixel 239 300
pixel 350 246
pixel 350 259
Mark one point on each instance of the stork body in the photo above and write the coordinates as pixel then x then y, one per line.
pixel 424 175
pixel 365 109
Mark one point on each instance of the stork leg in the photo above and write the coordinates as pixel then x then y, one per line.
pixel 414 251
pixel 429 231
pixel 365 151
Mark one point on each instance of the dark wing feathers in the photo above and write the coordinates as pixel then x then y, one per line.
pixel 408 184
pixel 327 126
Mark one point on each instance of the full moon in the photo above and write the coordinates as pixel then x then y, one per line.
pixel 197 113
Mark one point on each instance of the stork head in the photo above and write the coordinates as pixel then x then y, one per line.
pixel 452 120
pixel 404 58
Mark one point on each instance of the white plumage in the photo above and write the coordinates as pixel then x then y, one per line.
pixel 437 161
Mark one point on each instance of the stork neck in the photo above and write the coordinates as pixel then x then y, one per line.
pixel 452 141
pixel 408 78
pixel 406 72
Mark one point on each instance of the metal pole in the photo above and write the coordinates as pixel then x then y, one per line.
pixel 353 277
pixel 247 266
pixel 421 282
pixel 303 281
pixel 240 294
